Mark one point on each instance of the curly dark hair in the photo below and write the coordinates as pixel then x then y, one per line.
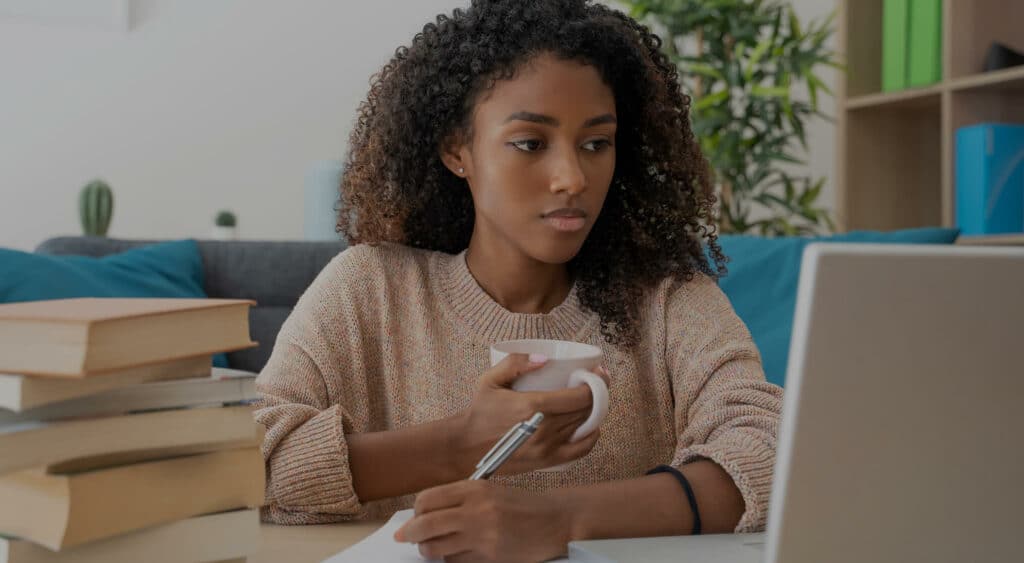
pixel 657 219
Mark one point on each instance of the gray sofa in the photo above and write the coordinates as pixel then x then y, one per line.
pixel 272 273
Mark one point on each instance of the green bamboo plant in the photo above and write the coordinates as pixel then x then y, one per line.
pixel 742 61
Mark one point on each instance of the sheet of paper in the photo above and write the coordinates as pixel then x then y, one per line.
pixel 380 546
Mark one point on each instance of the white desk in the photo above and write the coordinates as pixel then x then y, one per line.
pixel 313 544
pixel 713 548
pixel 308 544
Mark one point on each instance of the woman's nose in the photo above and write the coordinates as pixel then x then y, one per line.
pixel 567 175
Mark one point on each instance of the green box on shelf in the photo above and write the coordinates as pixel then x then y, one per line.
pixel 925 43
pixel 895 26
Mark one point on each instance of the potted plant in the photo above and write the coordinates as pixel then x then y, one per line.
pixel 225 226
pixel 741 61
pixel 96 208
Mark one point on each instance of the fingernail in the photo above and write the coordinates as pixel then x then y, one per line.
pixel 538 359
pixel 398 536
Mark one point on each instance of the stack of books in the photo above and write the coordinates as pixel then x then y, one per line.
pixel 118 440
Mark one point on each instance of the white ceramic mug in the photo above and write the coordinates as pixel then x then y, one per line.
pixel 570 364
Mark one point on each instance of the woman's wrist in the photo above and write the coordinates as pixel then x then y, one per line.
pixel 459 459
pixel 393 463
pixel 569 504
pixel 645 506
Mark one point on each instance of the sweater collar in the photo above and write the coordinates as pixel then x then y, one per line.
pixel 486 317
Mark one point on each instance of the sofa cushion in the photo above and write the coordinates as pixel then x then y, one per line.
pixel 762 282
pixel 272 273
pixel 169 269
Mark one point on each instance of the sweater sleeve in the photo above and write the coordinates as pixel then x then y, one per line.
pixel 725 410
pixel 308 476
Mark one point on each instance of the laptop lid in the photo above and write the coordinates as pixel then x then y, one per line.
pixel 904 411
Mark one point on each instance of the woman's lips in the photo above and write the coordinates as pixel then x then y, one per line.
pixel 566 220
pixel 566 224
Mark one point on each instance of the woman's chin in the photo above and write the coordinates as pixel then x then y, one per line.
pixel 556 252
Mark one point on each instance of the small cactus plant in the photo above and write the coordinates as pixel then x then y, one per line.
pixel 225 219
pixel 95 208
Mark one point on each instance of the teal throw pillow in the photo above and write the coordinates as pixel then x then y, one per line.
pixel 168 269
pixel 762 282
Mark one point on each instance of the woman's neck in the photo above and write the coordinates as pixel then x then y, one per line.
pixel 516 281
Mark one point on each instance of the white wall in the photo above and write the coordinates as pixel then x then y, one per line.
pixel 821 134
pixel 201 105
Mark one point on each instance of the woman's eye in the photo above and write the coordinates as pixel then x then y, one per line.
pixel 596 145
pixel 528 145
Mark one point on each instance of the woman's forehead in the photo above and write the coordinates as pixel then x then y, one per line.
pixel 563 89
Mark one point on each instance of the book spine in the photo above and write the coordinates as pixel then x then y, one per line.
pixel 924 65
pixel 894 44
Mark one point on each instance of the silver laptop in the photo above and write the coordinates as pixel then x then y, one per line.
pixel 902 436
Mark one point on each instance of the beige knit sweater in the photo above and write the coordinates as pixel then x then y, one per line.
pixel 389 336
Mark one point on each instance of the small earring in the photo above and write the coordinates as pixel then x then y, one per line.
pixel 462 170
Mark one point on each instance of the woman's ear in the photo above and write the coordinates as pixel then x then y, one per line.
pixel 455 156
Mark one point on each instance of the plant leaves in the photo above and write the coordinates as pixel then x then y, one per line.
pixel 711 100
pixel 746 120
pixel 770 92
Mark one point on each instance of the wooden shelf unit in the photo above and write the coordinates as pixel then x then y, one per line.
pixel 895 150
pixel 993 240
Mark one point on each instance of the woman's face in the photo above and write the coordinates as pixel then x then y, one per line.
pixel 540 160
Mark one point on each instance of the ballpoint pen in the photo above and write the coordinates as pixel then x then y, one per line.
pixel 506 446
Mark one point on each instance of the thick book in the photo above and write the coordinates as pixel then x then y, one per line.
pixel 81 444
pixel 24 392
pixel 66 510
pixel 90 336
pixel 201 539
pixel 924 45
pixel 895 25
pixel 990 179
pixel 222 386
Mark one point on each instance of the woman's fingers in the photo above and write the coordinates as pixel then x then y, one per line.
pixel 441 497
pixel 505 372
pixel 575 450
pixel 445 547
pixel 430 526
pixel 561 401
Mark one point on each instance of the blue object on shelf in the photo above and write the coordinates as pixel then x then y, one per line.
pixel 990 179
pixel 323 181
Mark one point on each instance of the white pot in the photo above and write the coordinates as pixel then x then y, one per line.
pixel 224 233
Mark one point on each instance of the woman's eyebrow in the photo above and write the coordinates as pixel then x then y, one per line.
pixel 533 118
pixel 600 120
pixel 548 120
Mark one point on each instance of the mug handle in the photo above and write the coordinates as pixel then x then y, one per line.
pixel 599 392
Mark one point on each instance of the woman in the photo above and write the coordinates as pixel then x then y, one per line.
pixel 521 170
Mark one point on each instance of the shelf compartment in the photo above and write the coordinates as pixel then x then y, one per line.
pixel 892 177
pixel 861 32
pixel 975 24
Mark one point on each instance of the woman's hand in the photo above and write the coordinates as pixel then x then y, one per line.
pixel 496 408
pixel 480 521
